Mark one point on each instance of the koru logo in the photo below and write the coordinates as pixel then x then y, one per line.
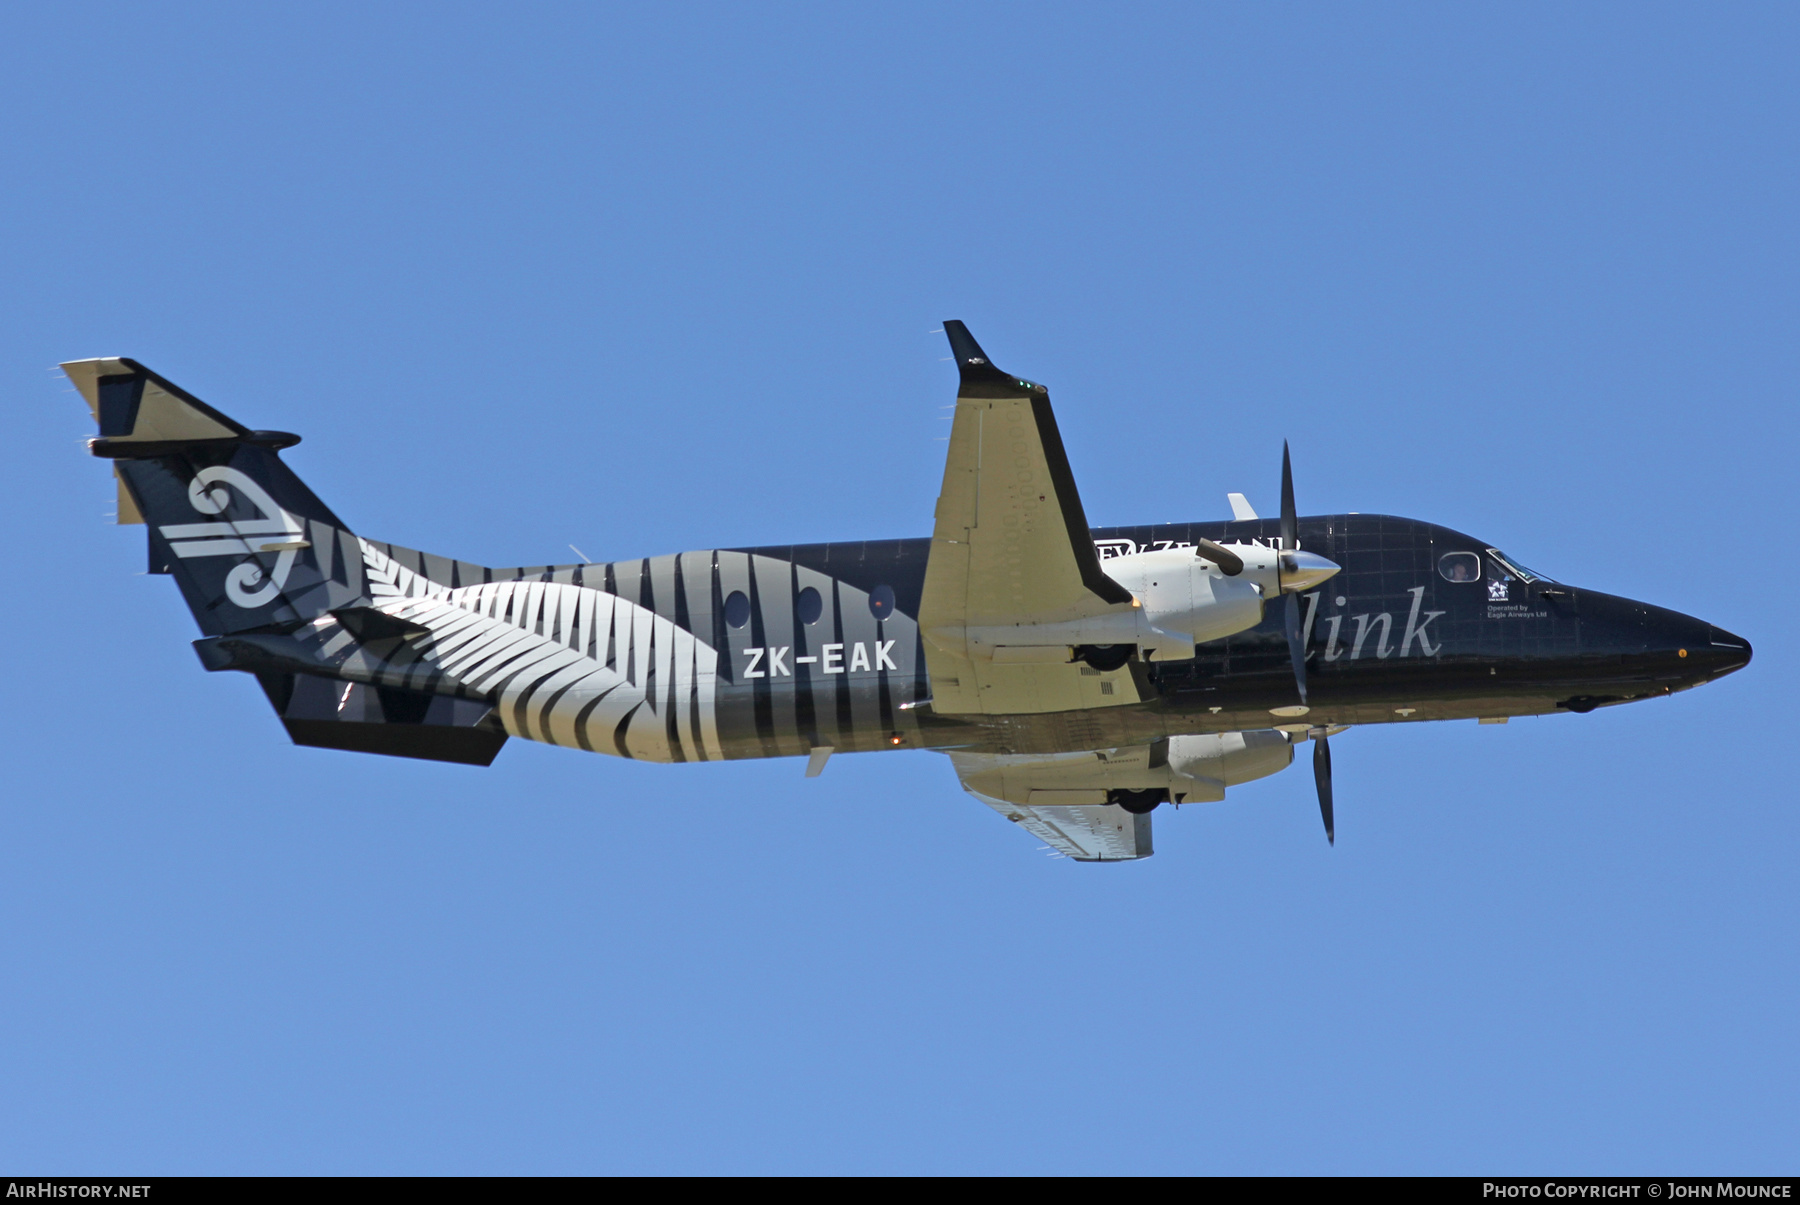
pixel 250 584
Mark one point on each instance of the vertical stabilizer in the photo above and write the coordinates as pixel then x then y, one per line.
pixel 249 544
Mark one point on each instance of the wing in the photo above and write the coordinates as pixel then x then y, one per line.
pixel 1061 798
pixel 1010 547
pixel 1084 832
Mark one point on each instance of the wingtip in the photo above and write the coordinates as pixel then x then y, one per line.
pixel 971 362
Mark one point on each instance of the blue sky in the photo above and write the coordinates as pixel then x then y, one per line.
pixel 646 278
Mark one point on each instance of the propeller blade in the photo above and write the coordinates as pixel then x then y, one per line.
pixel 1296 645
pixel 1229 562
pixel 1322 778
pixel 1290 522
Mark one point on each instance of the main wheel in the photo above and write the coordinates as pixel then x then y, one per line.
pixel 1138 803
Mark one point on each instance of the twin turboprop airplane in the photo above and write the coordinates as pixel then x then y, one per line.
pixel 1077 678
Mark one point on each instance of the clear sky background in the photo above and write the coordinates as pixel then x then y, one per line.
pixel 647 278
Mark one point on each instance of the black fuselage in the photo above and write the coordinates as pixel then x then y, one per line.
pixel 1422 623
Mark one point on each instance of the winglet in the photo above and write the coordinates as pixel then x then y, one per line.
pixel 971 361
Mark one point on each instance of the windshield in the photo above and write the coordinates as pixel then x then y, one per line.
pixel 1517 569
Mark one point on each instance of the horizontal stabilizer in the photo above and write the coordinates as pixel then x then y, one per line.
pixel 133 404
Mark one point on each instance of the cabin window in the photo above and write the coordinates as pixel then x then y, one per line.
pixel 809 606
pixel 1460 567
pixel 737 609
pixel 881 602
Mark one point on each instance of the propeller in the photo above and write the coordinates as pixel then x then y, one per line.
pixel 1290 542
pixel 1322 780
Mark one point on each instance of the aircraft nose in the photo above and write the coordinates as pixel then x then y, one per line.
pixel 1301 571
pixel 1727 652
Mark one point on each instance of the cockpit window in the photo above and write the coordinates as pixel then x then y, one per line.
pixel 1517 570
pixel 1460 567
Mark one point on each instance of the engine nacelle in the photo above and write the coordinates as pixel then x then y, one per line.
pixel 1185 600
pixel 1228 758
pixel 1180 599
pixel 1185 769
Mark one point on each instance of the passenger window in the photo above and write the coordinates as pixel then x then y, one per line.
pixel 737 609
pixel 809 606
pixel 881 602
pixel 1460 567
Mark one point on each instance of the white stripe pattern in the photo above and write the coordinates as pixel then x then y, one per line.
pixel 561 663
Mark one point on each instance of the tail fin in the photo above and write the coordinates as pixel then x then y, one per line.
pixel 251 547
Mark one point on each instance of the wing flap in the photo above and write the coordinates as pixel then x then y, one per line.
pixel 1061 798
pixel 1086 832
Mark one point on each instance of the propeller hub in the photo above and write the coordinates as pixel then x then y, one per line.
pixel 1301 571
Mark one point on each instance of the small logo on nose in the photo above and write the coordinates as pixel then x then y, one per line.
pixel 1498 591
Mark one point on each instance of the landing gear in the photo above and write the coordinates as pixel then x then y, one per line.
pixel 1104 657
pixel 1138 803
